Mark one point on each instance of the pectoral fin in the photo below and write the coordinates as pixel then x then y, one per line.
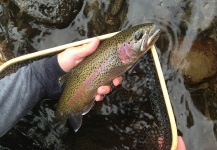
pixel 88 107
pixel 117 71
pixel 75 120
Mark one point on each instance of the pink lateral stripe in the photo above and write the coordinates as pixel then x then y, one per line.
pixel 87 83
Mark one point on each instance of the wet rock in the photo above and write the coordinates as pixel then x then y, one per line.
pixel 199 63
pixel 2 58
pixel 106 16
pixel 116 7
pixel 204 96
pixel 4 19
pixel 51 12
pixel 4 14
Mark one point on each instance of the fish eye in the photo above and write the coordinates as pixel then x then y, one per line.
pixel 138 35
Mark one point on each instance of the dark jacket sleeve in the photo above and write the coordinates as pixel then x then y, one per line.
pixel 21 91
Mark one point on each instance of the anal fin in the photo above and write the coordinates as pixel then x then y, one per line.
pixel 88 107
pixel 75 120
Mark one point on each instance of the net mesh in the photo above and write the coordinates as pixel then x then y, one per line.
pixel 133 116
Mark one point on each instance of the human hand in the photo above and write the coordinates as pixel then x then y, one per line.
pixel 71 57
pixel 181 144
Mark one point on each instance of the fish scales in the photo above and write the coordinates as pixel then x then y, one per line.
pixel 112 58
pixel 78 76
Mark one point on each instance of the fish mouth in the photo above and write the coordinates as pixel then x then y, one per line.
pixel 149 37
pixel 153 36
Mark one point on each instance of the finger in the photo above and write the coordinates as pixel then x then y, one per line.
pixel 99 98
pixel 181 144
pixel 87 49
pixel 160 141
pixel 102 90
pixel 117 80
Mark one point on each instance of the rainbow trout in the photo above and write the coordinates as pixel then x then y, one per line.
pixel 112 58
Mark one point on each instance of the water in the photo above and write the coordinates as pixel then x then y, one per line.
pixel 186 26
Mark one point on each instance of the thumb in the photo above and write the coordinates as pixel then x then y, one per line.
pixel 87 49
pixel 74 55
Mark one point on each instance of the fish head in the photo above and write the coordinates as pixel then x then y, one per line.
pixel 138 41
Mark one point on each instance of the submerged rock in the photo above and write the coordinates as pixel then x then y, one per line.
pixel 4 20
pixel 199 63
pixel 105 16
pixel 204 96
pixel 51 12
pixel 210 95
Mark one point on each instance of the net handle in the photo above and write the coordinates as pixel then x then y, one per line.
pixel 166 98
